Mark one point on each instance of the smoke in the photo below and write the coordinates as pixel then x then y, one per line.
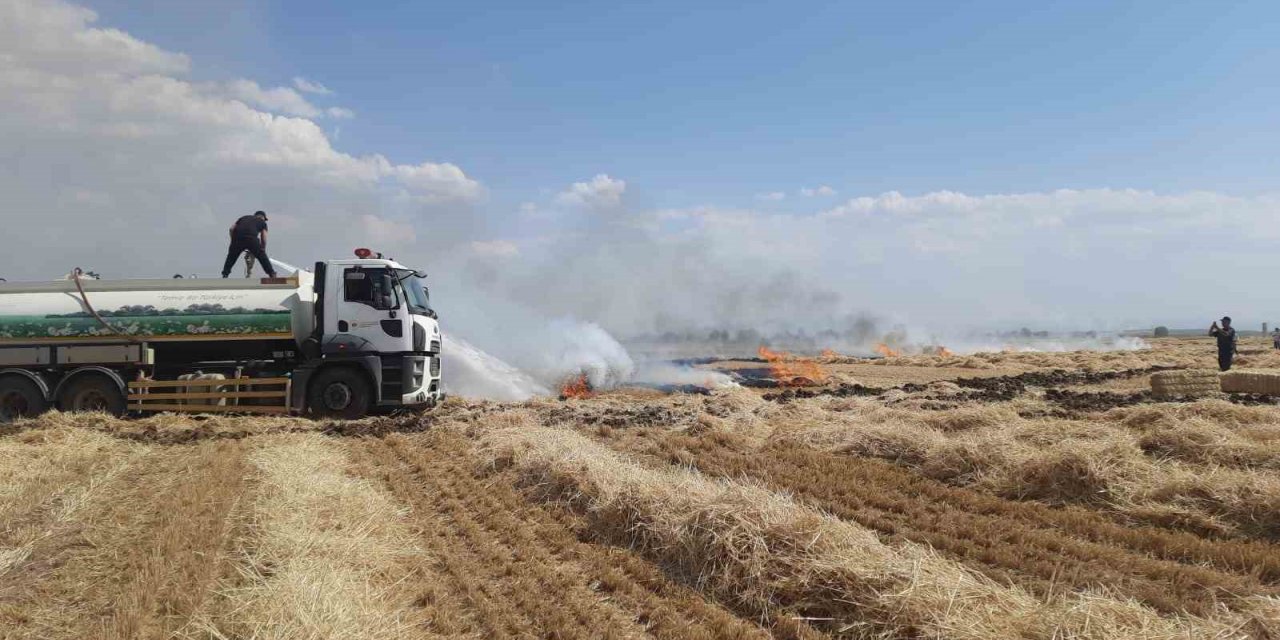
pixel 572 346
pixel 1053 344
pixel 665 373
pixel 553 308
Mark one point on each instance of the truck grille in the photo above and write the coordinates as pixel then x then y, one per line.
pixel 435 346
pixel 419 338
pixel 435 367
pixel 392 378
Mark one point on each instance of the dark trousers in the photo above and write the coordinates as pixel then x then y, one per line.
pixel 1224 360
pixel 240 245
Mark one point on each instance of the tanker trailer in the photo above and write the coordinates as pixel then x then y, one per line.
pixel 350 337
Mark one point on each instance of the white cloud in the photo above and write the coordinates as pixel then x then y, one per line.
pixel 772 196
pixel 308 86
pixel 56 38
pixel 104 136
pixel 281 100
pixel 823 191
pixel 276 99
pixel 381 232
pixel 434 182
pixel 601 193
pixel 495 248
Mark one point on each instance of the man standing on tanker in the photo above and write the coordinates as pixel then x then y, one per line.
pixel 249 233
pixel 1226 342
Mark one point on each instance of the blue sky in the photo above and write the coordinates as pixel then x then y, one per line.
pixel 661 165
pixel 721 101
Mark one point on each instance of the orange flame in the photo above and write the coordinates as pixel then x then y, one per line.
pixel 829 354
pixel 945 352
pixel 793 371
pixel 770 355
pixel 887 351
pixel 576 387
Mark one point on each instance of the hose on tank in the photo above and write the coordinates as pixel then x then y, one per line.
pixel 84 298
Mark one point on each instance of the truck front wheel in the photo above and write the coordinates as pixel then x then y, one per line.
pixel 339 392
pixel 20 398
pixel 92 393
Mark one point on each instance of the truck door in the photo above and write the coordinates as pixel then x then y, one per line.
pixel 366 311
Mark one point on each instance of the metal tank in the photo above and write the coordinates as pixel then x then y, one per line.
pixel 156 310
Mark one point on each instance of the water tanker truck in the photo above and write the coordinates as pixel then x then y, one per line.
pixel 348 338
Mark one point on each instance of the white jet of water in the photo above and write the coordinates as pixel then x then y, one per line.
pixel 284 265
pixel 472 373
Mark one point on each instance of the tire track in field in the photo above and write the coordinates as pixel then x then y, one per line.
pixel 326 555
pixel 1043 549
pixel 521 567
pixel 147 555
pixel 513 593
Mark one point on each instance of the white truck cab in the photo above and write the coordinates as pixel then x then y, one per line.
pixel 373 314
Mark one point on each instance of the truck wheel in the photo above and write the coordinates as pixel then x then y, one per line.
pixel 339 392
pixel 20 398
pixel 92 393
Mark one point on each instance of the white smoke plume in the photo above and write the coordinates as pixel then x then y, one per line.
pixel 665 373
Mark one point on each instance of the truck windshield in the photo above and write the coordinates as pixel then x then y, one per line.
pixel 415 291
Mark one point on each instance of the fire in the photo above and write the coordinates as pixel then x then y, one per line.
pixel 771 356
pixel 829 354
pixel 887 351
pixel 576 387
pixel 792 371
pixel 938 350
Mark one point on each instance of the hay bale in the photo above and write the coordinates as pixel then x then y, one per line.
pixel 202 389
pixel 1185 382
pixel 1252 381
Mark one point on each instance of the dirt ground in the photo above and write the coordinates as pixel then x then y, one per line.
pixel 986 496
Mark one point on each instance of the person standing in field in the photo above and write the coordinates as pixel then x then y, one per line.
pixel 249 233
pixel 1275 338
pixel 1226 336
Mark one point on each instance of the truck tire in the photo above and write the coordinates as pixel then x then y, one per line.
pixel 92 393
pixel 20 398
pixel 339 392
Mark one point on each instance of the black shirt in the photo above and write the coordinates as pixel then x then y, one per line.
pixel 1226 339
pixel 249 226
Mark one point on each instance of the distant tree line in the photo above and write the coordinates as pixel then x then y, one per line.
pixel 148 311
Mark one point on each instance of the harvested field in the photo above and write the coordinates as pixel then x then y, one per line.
pixel 1025 504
